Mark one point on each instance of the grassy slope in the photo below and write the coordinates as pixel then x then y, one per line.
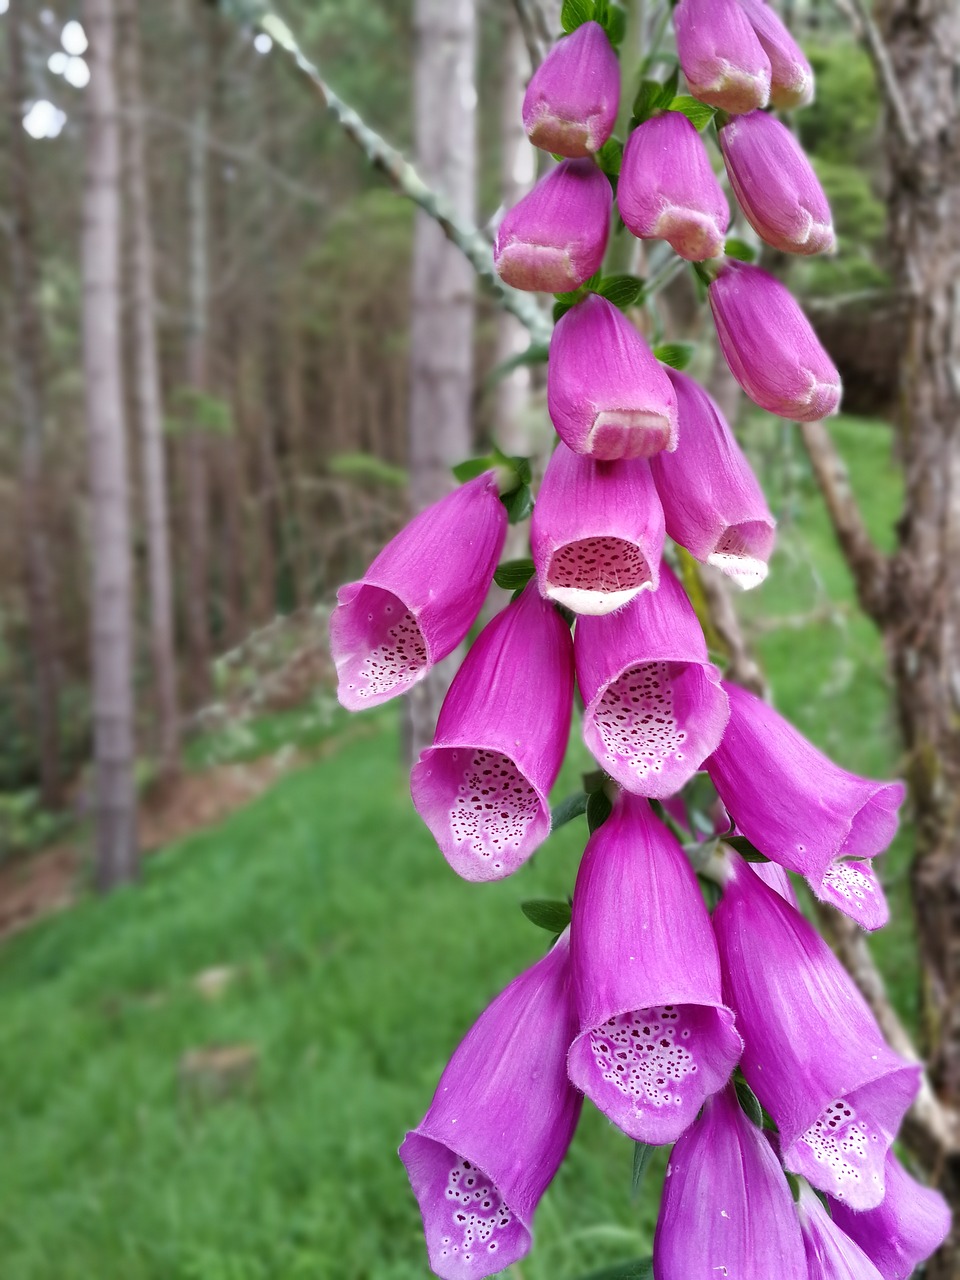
pixel 360 959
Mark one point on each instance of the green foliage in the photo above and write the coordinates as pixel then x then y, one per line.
pixel 200 411
pixel 676 354
pixel 513 574
pixel 25 824
pixel 697 112
pixel 547 913
pixel 841 124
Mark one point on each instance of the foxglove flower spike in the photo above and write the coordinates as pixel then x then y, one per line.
pixel 498 1127
pixel 791 76
pixel 419 597
pixel 721 56
pixel 571 102
pixel 501 734
pixel 655 1038
pixel 597 532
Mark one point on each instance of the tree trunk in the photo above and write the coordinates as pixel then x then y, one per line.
pixel 115 802
pixel 441 336
pixel 922 622
pixel 27 363
pixel 149 402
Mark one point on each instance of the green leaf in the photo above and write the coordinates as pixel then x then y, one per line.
pixel 676 354
pixel 519 503
pixel 519 465
pixel 746 850
pixel 697 112
pixel 651 97
pixel 635 1269
pixel 560 309
pixel 622 291
pixel 513 574
pixel 536 353
pixel 575 13
pixel 735 248
pixel 610 157
pixel 748 1100
pixel 547 913
pixel 642 1153
pixel 568 809
pixel 599 809
pixel 616 24
pixel 472 468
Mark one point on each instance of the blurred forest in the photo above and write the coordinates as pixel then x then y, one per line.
pixel 254 447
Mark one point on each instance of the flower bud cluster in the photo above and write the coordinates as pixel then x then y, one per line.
pixel 648 1004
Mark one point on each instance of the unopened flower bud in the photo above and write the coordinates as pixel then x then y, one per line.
pixel 721 57
pixel 571 102
pixel 776 185
pixel 555 238
pixel 668 191
pixel 770 345
pixel 607 394
pixel 791 76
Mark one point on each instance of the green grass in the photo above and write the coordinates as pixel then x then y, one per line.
pixel 358 961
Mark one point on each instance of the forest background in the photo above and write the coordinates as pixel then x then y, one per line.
pixel 206 1074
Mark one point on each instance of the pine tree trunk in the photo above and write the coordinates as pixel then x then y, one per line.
pixel 923 607
pixel 27 364
pixel 113 711
pixel 442 320
pixel 148 400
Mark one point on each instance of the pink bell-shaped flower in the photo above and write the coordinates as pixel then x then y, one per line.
pixel 799 808
pixel 791 77
pixel 596 532
pixel 419 597
pixel 653 705
pixel 769 345
pixel 721 56
pixel 607 394
pixel 813 1053
pixel 907 1226
pixel 667 189
pixel 775 184
pixel 554 239
pixel 655 1037
pixel 712 502
pixel 498 1127
pixel 831 1255
pixel 571 102
pixel 501 735
pixel 726 1208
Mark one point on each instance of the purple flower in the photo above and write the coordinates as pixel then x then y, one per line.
pixel 607 394
pixel 555 238
pixel 420 596
pixel 654 707
pixel 854 888
pixel 655 1038
pixel 791 77
pixel 498 1127
pixel 596 532
pixel 502 731
pixel 776 185
pixel 571 102
pixel 667 189
pixel 711 500
pixel 813 1053
pixel 727 1208
pixel 721 57
pixel 831 1255
pixel 801 809
pixel 909 1224
pixel 769 345
pixel 773 875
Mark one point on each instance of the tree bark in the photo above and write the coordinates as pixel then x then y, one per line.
pixel 113 711
pixel 148 399
pixel 27 363
pixel 442 320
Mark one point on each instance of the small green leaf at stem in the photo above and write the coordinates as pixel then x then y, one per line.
pixel 642 1154
pixel 560 309
pixel 746 850
pixel 547 913
pixel 675 354
pixel 610 157
pixel 472 468
pixel 570 807
pixel 575 13
pixel 519 503
pixel 697 112
pixel 739 249
pixel 513 574
pixel 622 291
pixel 616 24
pixel 599 809
pixel 748 1100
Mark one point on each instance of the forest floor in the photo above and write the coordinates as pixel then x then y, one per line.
pixel 206 1077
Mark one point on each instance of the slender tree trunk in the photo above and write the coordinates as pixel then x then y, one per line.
pixel 923 601
pixel 149 402
pixel 27 362
pixel 111 612
pixel 441 337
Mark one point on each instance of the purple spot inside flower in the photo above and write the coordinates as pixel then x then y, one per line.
pixel 646 1055
pixel 841 1153
pixel 599 564
pixel 636 719
pixel 391 650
